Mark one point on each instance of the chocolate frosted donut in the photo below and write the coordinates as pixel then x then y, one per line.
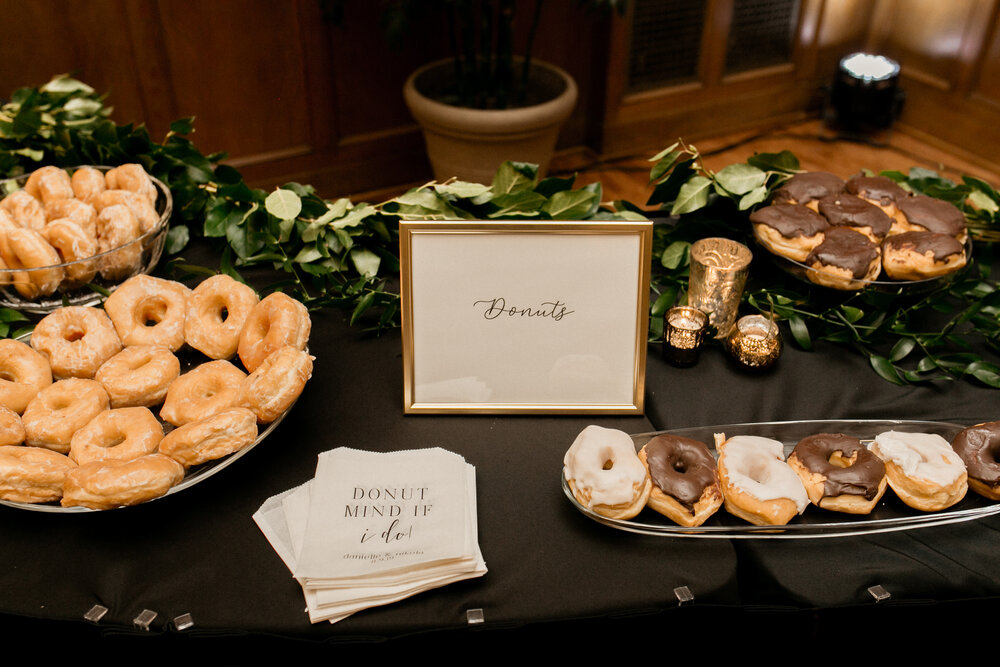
pixel 844 260
pixel 808 187
pixel 921 255
pixel 845 210
pixel 924 213
pixel 839 472
pixel 685 479
pixel 789 230
pixel 979 448
pixel 876 189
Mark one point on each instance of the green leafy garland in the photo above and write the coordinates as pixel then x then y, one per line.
pixel 342 254
pixel 335 253
pixel 906 337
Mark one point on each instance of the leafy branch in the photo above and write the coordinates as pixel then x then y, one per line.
pixel 907 338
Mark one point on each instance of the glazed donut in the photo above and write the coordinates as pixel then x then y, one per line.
pixel 789 230
pixel 32 474
pixel 117 228
pixel 928 214
pixel 26 211
pixel 60 410
pixel 105 485
pixel 139 375
pixel 11 427
pixel 132 177
pixel 757 484
pixel 121 434
pixel 921 255
pixel 276 321
pixel 23 373
pixel 604 473
pixel 854 213
pixel 208 389
pixel 28 250
pixel 274 386
pixel 76 340
pixel 33 186
pixel 839 473
pixel 217 311
pixel 923 469
pixel 211 438
pixel 685 479
pixel 144 213
pixel 845 260
pixel 88 183
pixel 72 244
pixel 808 188
pixel 149 311
pixel 76 210
pixel 978 446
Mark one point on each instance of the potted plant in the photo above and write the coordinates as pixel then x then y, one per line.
pixel 486 104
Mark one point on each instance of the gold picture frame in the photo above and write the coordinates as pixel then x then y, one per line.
pixel 524 317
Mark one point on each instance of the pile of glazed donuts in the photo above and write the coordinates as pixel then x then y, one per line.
pixel 62 219
pixel 681 479
pixel 77 421
pixel 849 233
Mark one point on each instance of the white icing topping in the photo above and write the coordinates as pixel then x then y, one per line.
pixel 756 466
pixel 585 460
pixel 920 455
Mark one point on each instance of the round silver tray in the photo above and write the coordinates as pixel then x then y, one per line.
pixel 150 244
pixel 194 475
pixel 888 516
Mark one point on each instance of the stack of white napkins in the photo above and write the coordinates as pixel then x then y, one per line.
pixel 373 528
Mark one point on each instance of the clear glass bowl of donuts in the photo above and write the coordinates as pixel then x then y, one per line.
pixel 866 232
pixel 68 234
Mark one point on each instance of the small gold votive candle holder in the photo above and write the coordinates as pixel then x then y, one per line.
pixel 683 331
pixel 719 268
pixel 755 342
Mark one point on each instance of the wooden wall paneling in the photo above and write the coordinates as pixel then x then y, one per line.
pixel 986 84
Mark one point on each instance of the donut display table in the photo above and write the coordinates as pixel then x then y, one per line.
pixel 200 553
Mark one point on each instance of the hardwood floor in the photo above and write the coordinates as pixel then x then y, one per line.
pixel 816 146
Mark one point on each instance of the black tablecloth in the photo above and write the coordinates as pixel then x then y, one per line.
pixel 199 551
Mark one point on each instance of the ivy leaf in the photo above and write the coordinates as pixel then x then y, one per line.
pixel 177 237
pixel 784 161
pixel 800 332
pixel 283 204
pixel 523 203
pixel 365 261
pixel 902 348
pixel 659 156
pixel 514 177
pixel 554 184
pixel 666 161
pixel 363 304
pixel 667 190
pixel 675 254
pixel 663 302
pixel 755 196
pixel 740 178
pixel 461 189
pixel 982 201
pixel 693 195
pixel 572 205
pixel 885 369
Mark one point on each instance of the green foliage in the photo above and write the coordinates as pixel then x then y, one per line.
pixel 907 338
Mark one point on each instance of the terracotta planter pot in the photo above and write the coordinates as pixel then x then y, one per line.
pixel 471 143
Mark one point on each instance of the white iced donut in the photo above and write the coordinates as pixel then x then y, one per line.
pixel 922 468
pixel 757 483
pixel 605 474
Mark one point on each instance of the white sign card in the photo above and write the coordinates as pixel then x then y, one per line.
pixel 525 317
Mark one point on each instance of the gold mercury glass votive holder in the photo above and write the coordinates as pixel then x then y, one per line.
pixel 683 331
pixel 755 342
pixel 719 270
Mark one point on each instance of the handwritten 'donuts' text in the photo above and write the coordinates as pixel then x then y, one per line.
pixel 496 308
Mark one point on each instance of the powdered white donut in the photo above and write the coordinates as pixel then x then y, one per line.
pixel 757 466
pixel 920 455
pixel 585 461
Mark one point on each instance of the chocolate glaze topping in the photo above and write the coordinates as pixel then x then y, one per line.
pixel 879 188
pixel 935 215
pixel 790 220
pixel 681 467
pixel 860 479
pixel 942 245
pixel 845 210
pixel 805 187
pixel 979 448
pixel 847 249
